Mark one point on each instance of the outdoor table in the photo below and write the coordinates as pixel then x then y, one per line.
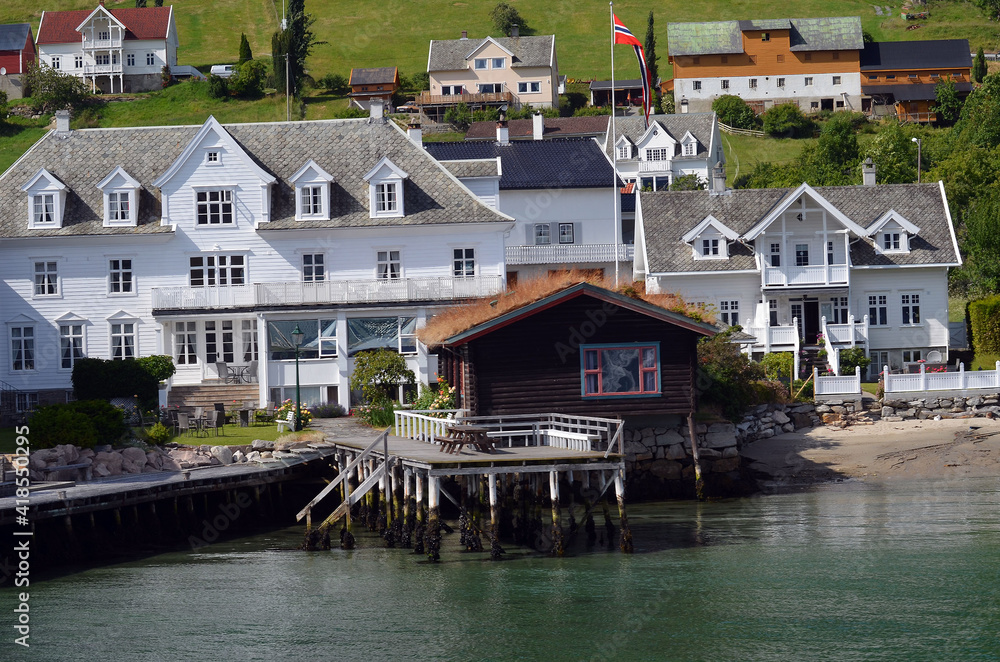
pixel 461 434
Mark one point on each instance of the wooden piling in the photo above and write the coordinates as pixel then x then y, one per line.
pixel 495 549
pixel 433 542
pixel 626 537
pixel 418 530
pixel 699 483
pixel 558 544
pixel 346 536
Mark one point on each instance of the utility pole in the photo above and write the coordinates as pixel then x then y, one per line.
pixel 288 101
pixel 917 140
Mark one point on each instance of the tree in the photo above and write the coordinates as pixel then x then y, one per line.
pixel 734 111
pixel 946 101
pixel 3 105
pixel 979 66
pixel 334 84
pixel 786 120
pixel 459 116
pixel 296 41
pixel 650 49
pixel 981 243
pixel 247 81
pixel 157 3
pixel 504 19
pixel 51 90
pixel 836 156
pixel 377 373
pixel 979 121
pixel 690 182
pixel 990 7
pixel 894 155
pixel 245 52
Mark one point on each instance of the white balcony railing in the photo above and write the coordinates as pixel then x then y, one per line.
pixel 326 292
pixel 101 69
pixel 654 166
pixel 853 333
pixel 568 253
pixel 101 44
pixel 834 274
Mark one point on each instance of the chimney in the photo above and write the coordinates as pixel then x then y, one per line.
pixel 375 110
pixel 868 172
pixel 538 126
pixel 62 121
pixel 414 133
pixel 465 34
pixel 718 183
pixel 503 137
pixel 515 31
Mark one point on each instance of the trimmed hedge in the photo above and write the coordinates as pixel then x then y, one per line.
pixel 984 319
pixel 102 379
pixel 84 424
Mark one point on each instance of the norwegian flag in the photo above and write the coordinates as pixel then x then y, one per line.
pixel 624 36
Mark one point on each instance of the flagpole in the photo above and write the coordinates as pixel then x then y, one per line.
pixel 614 145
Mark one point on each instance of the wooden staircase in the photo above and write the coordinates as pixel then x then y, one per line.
pixel 810 359
pixel 206 395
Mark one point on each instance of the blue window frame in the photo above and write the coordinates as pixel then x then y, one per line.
pixel 620 370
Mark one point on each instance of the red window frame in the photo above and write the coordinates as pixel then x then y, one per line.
pixel 595 371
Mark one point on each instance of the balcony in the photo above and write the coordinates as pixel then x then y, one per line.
pixel 654 166
pixel 834 274
pixel 270 295
pixel 102 69
pixel 568 253
pixel 491 98
pixel 101 44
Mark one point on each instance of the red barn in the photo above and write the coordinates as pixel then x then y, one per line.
pixel 17 51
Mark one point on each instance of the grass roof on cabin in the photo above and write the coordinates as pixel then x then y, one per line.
pixel 459 319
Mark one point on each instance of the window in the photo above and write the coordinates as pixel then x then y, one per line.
pixel 395 333
pixel 890 241
pixel 765 36
pixel 912 77
pixel 46 279
pixel 150 59
pixel 212 157
pixel 215 270
pixel 104 35
pixel 935 76
pixel 689 148
pixel 464 262
pixel 772 312
pixel 775 255
pixel 696 85
pixel 839 305
pixel 120 279
pixel 814 105
pixel 620 370
pixel 388 265
pixel 25 402
pixel 122 340
pixel 186 343
pixel 78 61
pixel 102 59
pixel 312 200
pixel 118 207
pixel 215 207
pixel 808 81
pixel 249 329
pixel 566 235
pixel 499 62
pixel 890 76
pixel 43 208
pixel 114 57
pixel 911 308
pixel 839 103
pixel 729 311
pixel 781 82
pixel 781 58
pixel 625 151
pixel 56 62
pixel 710 247
pixel 490 88
pixel 873 78
pixel 657 154
pixel 753 83
pixel 542 234
pixel 451 89
pixel 386 198
pixel 22 348
pixel 878 309
pixel 912 355
pixel 130 59
pixel 829 252
pixel 802 255
pixel 219 341
pixel 313 268
pixel 529 87
pixel 480 63
pixel 725 83
pixel 796 309
pixel 836 80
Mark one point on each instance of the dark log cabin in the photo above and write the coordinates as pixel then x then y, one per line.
pixel 583 350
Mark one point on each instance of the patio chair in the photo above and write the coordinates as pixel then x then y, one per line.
pixel 216 420
pixel 251 372
pixel 267 413
pixel 287 423
pixel 183 424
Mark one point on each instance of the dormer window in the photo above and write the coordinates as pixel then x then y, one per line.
pixel 890 241
pixel 710 239
pixel 385 182
pixel 689 149
pixel 312 192
pixel 121 196
pixel 212 157
pixel 625 151
pixel 710 248
pixel 46 200
pixel 891 233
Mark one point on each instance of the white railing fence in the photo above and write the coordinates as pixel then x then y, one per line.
pixel 421 425
pixel 942 381
pixel 837 385
pixel 832 357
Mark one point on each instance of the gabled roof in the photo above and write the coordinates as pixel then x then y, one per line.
pixel 485 42
pixel 311 165
pixel 726 37
pixel 453 54
pixel 212 126
pixel 385 163
pixel 789 200
pixel 580 290
pixel 700 125
pixel 667 216
pixel 710 222
pixel 553 127
pixel 925 54
pixel 535 164
pixel 374 76
pixel 891 216
pixel 42 173
pixel 59 27
pixel 130 181
pixel 346 149
pixel 100 9
pixel 14 36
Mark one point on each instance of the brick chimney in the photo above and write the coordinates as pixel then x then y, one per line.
pixel 465 34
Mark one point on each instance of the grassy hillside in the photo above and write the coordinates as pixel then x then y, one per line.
pixel 396 32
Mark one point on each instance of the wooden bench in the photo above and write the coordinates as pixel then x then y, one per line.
pixel 575 441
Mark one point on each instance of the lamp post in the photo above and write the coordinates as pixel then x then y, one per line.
pixel 917 140
pixel 297 336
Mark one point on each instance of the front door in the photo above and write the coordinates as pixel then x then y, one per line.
pixel 811 315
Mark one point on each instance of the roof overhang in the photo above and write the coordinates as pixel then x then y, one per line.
pixel 789 200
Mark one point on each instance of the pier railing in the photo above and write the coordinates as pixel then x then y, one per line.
pixel 425 424
pixel 942 381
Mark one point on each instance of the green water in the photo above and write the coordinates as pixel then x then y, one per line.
pixel 842 572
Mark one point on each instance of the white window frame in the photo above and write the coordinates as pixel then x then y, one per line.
pixel 710 248
pixel 729 311
pixel 384 177
pixel 312 192
pixel 689 148
pixel 696 85
pixel 480 63
pixel 781 82
pixel 186 343
pixel 529 87
pixel 125 277
pixel 836 80
pixel 43 209
pixel 463 262
pixel 878 309
pixel 118 334
pixel 724 83
pixel 386 198
pixel 894 242
pixel 150 59
pixel 567 233
pixel 226 198
pixel 25 341
pixel 543 234
pixel 808 81
pixel 313 267
pixel 498 63
pixel 72 331
pixel 495 88
pixel 78 62
pixel 116 186
pixel 118 210
pixel 130 59
pixel 774 252
pixel 912 355
pixel 213 157
pixel 909 308
pixel 57 62
pixel 218 269
pixel 753 83
pixel 625 151
pixel 657 154
pixel 45 283
pixel 389 264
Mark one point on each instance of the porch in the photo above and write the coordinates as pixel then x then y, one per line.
pixel 830 274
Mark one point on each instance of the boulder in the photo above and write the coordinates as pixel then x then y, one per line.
pixel 766 434
pixel 154 460
pixel 130 467
pixel 101 470
pixel 676 452
pixel 168 463
pixel 788 427
pixel 86 453
pixel 781 418
pixel 632 449
pixel 669 438
pixel 975 401
pixel 823 409
pixel 136 456
pixel 69 452
pixel 666 469
pixel 888 411
pixel 112 460
pixel 238 456
pixel 730 452
pixel 801 420
pixel 721 435
pixel 223 454
pixel 261 445
pixel 253 456
pixel 832 418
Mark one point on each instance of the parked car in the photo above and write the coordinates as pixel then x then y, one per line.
pixel 222 70
pixel 410 107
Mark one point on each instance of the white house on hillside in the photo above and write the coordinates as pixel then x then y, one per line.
pixel 212 243
pixel 837 266
pixel 114 50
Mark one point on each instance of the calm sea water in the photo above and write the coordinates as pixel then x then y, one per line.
pixel 842 572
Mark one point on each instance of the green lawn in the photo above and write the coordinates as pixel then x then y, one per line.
pixel 985 362
pixel 956 308
pixel 870 387
pixel 17 135
pixel 744 152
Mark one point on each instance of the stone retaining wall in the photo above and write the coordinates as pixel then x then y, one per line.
pixel 896 408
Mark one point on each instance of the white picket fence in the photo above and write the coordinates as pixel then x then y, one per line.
pixel 942 381
pixel 837 384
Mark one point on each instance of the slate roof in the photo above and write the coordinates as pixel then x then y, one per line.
pixel 667 216
pixel 59 27
pixel 450 54
pixel 554 127
pixel 926 54
pixel 535 164
pixel 699 124
pixel 912 91
pixel 347 149
pixel 373 76
pixel 726 37
pixel 14 36
pixel 476 168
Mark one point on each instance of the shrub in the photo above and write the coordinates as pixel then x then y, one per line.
pixel 248 80
pixel 335 84
pixel 437 396
pixel 102 379
pixel 852 358
pixel 330 410
pixel 218 88
pixel 349 113
pixel 108 420
pixel 778 365
pixel 160 366
pixel 984 318
pixel 158 433
pixel 786 120
pixel 590 111
pixel 734 111
pixel 726 376
pixel 807 392
pixel 377 373
pixel 60 424
pixel 378 414
pixel 459 116
pixel 667 104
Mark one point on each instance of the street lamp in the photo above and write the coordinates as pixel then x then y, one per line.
pixel 297 336
pixel 917 140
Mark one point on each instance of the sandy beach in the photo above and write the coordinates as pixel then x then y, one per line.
pixel 954 448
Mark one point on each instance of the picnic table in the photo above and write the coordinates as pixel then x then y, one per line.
pixel 459 435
